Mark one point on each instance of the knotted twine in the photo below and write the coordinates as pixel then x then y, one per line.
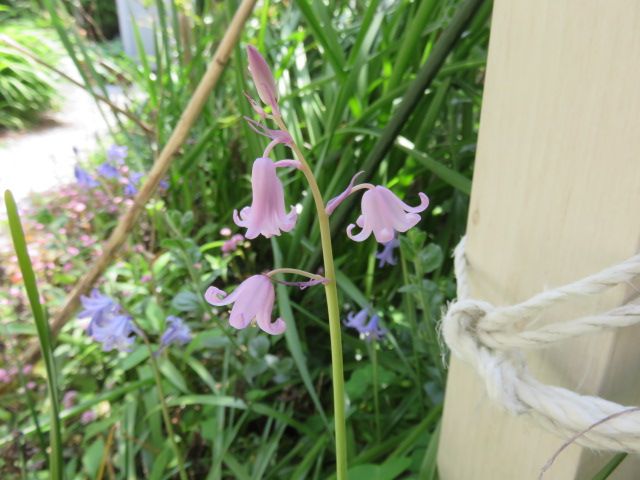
pixel 492 340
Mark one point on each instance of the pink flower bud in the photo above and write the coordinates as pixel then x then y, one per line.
pixel 263 78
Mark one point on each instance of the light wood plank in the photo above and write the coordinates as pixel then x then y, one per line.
pixel 556 196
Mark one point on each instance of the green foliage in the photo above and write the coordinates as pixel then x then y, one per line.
pixel 26 88
pixel 245 405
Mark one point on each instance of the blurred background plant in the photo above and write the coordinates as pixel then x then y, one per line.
pixel 26 89
pixel 245 405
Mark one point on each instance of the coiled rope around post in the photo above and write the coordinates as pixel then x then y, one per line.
pixel 492 338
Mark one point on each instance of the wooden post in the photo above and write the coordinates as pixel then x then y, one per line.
pixel 556 196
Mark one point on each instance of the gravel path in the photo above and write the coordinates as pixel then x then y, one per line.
pixel 37 160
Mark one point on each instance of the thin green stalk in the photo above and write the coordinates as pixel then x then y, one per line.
pixel 610 467
pixel 44 335
pixel 333 310
pixel 163 406
pixel 373 354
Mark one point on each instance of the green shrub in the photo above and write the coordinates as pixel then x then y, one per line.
pixel 26 88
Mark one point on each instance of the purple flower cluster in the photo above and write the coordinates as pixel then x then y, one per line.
pixel 114 169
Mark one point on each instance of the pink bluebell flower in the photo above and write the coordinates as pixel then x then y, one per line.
pixel 253 303
pixel 5 376
pixel 117 153
pixel 386 256
pixel 233 243
pixel 177 332
pixel 266 215
pixel 88 417
pixel 263 79
pixel 84 178
pixel 69 398
pixel 384 214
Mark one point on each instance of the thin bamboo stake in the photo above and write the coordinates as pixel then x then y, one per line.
pixel 115 108
pixel 129 218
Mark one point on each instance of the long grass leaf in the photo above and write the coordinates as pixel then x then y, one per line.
pixel 44 335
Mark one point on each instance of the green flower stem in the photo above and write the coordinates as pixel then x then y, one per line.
pixel 163 406
pixel 295 271
pixel 333 310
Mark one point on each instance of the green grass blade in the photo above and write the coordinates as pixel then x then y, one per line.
pixel 610 467
pixel 44 336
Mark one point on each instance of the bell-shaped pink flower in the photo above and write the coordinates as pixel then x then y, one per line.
pixel 253 300
pixel 263 78
pixel 266 215
pixel 383 213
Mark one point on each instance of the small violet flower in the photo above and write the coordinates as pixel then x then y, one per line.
pixel 107 324
pixel 254 300
pixel 267 215
pixel 177 332
pixel 117 153
pixel 114 332
pixel 69 398
pixel 263 80
pixel 88 417
pixel 84 179
pixel 108 171
pixel 97 306
pixel 130 187
pixel 233 243
pixel 386 256
pixel 370 330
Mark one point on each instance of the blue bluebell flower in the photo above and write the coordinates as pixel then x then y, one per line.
pixel 177 332
pixel 83 178
pixel 117 153
pixel 130 188
pixel 108 171
pixel 96 306
pixel 113 331
pixel 107 325
pixel 386 256
pixel 370 330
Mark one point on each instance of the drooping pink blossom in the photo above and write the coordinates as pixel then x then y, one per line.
pixel 263 78
pixel 254 300
pixel 266 215
pixel 383 214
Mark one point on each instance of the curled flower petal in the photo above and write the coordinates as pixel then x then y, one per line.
pixel 263 78
pixel 384 214
pixel 334 202
pixel 267 215
pixel 253 301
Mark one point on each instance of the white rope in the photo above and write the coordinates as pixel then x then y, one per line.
pixel 491 339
